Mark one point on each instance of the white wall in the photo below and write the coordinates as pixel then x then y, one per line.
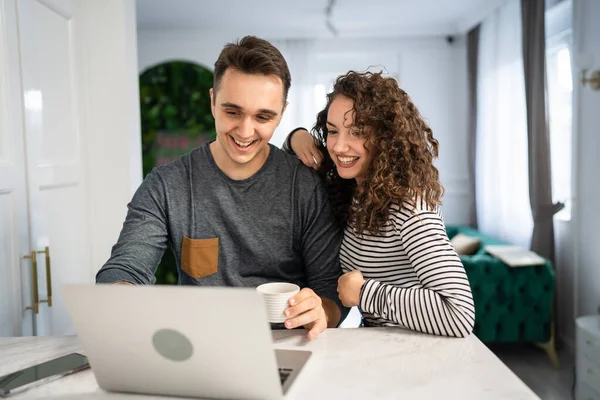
pixel 586 212
pixel 432 71
pixel 155 47
pixel 113 133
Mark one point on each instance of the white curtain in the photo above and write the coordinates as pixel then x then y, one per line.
pixel 301 110
pixel 503 209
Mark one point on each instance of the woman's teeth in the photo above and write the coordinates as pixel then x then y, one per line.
pixel 347 160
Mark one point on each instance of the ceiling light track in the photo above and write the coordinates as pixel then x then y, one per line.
pixel 328 13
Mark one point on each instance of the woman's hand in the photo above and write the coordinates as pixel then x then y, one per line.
pixel 349 286
pixel 303 144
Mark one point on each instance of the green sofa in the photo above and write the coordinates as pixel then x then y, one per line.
pixel 511 304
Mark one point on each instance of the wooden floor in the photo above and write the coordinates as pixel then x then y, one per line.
pixel 534 368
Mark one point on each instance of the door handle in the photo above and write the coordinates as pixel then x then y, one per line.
pixel 46 251
pixel 36 297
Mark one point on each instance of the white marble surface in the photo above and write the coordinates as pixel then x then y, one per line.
pixel 364 363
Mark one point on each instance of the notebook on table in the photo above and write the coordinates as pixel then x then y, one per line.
pixel 515 256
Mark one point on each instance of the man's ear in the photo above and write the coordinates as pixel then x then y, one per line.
pixel 212 102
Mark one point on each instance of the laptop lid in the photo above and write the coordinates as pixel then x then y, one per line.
pixel 176 340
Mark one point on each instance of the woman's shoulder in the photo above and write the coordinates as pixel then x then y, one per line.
pixel 415 207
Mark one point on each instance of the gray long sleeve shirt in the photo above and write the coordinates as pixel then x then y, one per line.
pixel 276 225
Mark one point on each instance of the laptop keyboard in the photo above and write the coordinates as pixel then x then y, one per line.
pixel 284 373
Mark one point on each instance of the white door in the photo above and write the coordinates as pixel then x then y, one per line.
pixel 56 174
pixel 15 271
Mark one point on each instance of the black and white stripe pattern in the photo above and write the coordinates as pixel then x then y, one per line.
pixel 415 279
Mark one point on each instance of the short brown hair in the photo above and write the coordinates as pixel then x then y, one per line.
pixel 252 55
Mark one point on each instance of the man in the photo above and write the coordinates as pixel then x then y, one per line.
pixel 238 211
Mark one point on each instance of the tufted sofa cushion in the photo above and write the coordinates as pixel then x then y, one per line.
pixel 465 245
pixel 511 304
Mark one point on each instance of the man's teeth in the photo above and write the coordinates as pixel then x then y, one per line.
pixel 347 160
pixel 243 144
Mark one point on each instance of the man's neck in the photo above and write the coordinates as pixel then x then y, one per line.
pixel 236 171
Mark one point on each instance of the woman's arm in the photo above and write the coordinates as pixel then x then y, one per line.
pixel 444 304
pixel 301 143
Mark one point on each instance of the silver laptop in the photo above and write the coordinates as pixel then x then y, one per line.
pixel 181 341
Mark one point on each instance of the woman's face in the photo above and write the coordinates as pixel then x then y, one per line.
pixel 345 143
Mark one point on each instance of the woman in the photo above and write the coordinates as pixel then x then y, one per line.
pixel 375 155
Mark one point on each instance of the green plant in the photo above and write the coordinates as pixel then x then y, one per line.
pixel 175 117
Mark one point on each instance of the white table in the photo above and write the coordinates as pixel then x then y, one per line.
pixel 363 363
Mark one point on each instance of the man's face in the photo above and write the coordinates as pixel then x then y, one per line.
pixel 247 109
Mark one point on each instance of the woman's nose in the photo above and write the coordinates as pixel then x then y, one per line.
pixel 341 143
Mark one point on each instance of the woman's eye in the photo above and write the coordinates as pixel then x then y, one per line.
pixel 332 132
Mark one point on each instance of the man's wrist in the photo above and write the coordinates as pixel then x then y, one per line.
pixel 332 312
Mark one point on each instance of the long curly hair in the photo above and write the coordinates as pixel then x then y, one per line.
pixel 402 146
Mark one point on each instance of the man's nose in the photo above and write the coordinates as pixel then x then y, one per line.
pixel 246 128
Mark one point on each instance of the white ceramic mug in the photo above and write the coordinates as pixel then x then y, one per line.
pixel 276 296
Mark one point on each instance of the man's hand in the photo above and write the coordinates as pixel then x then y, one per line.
pixel 306 309
pixel 349 286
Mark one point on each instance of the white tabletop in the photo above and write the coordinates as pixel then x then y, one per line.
pixel 363 363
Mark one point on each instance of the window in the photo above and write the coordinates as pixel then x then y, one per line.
pixel 560 90
pixel 320 97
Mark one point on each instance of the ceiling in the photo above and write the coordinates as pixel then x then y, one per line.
pixel 285 19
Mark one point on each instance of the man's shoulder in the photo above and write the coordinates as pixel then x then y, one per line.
pixel 283 158
pixel 181 164
pixel 292 166
pixel 175 173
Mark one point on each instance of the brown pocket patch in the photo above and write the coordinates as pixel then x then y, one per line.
pixel 199 257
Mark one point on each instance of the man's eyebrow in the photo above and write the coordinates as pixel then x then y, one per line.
pixel 329 123
pixel 261 111
pixel 267 111
pixel 231 105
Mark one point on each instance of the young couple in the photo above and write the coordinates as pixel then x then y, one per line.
pixel 237 211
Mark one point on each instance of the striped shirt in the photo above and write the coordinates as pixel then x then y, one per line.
pixel 414 278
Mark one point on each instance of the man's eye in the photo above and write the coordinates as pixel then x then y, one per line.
pixel 232 113
pixel 264 118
